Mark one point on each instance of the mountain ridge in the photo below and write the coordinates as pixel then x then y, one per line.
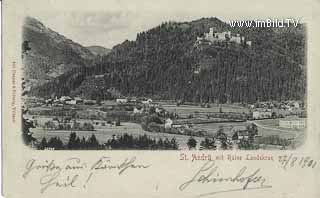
pixel 99 50
pixel 163 63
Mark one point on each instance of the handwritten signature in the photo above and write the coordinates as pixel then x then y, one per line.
pixel 73 172
pixel 209 173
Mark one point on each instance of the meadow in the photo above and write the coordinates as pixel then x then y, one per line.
pixel 185 110
pixel 104 133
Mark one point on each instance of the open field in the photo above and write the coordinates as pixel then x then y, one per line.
pixel 185 110
pixel 271 127
pixel 105 133
pixel 269 122
pixel 213 128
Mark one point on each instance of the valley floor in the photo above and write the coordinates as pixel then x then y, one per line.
pixel 104 129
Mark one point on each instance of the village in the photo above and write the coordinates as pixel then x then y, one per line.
pixel 227 126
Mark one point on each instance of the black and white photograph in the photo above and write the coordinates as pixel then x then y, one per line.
pixel 171 98
pixel 136 81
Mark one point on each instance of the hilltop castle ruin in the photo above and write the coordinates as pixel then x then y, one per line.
pixel 227 36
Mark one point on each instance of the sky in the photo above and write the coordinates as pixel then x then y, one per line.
pixel 107 28
pixel 94 24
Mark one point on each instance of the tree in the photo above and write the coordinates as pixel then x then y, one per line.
pixel 113 143
pixel 126 141
pixel 221 135
pixel 92 142
pixel 224 145
pixel 55 143
pixel 72 141
pixel 174 144
pixel 253 131
pixel 235 136
pixel 43 144
pixel 208 144
pixel 154 118
pixel 152 110
pixel 166 143
pixel 160 143
pixel 83 143
pixel 223 138
pixel 78 143
pixel 192 143
pixel 26 134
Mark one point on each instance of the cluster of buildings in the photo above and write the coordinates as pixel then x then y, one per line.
pixel 64 100
pixel 141 104
pixel 284 105
pixel 158 110
pixel 169 124
pixel 227 36
pixel 134 100
pixel 256 115
pixel 77 100
pixel 74 125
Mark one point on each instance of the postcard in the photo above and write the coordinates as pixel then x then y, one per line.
pixel 180 98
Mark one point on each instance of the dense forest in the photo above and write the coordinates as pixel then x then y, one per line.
pixel 165 63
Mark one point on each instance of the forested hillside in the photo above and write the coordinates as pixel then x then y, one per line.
pixel 165 63
pixel 47 55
